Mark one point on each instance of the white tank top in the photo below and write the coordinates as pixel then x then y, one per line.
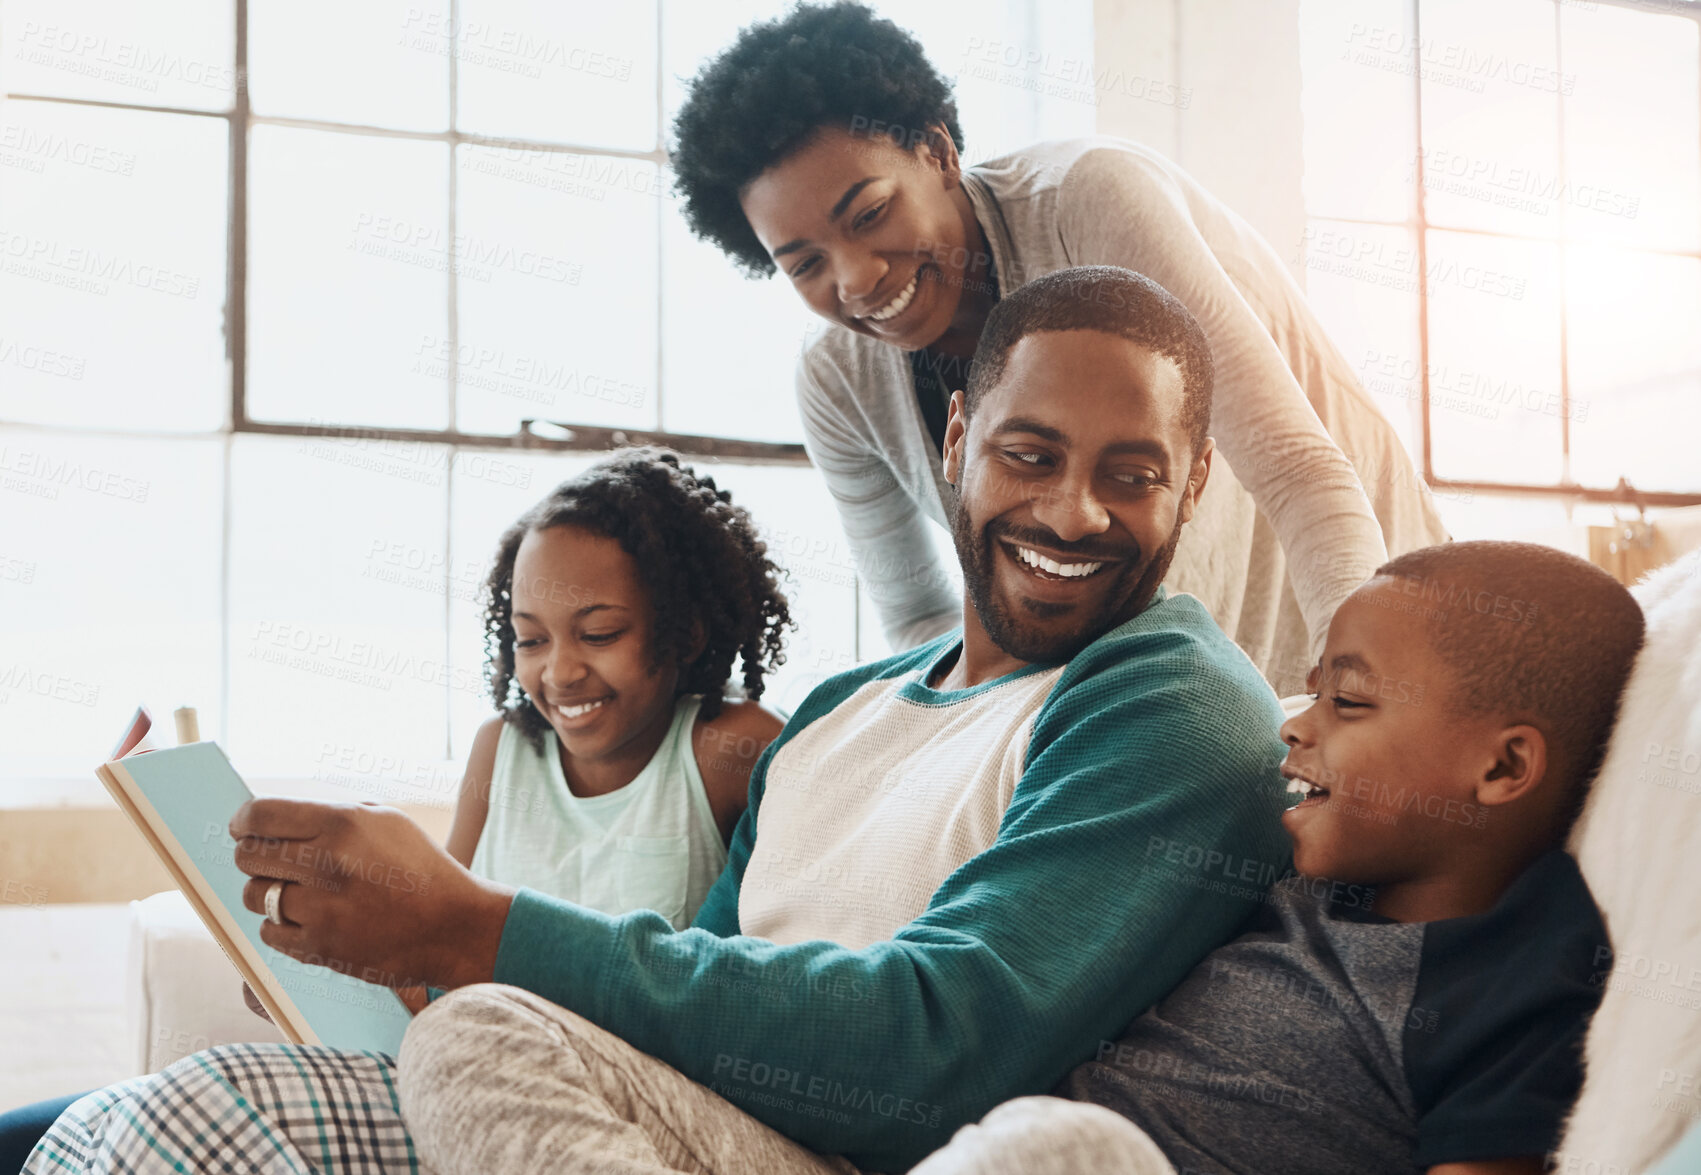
pixel 651 845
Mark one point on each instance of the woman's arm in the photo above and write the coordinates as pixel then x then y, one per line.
pixel 887 532
pixel 1117 208
pixel 727 747
pixel 1530 1165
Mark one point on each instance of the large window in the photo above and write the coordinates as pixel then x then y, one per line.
pixel 281 282
pixel 1504 202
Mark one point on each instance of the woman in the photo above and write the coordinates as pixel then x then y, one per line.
pixel 825 145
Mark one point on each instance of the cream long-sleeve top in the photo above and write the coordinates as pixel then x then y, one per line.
pixel 1285 530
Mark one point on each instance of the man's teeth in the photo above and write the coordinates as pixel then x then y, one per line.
pixel 897 305
pixel 577 711
pixel 1306 788
pixel 1068 570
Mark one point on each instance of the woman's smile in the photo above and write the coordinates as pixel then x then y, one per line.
pixel 895 305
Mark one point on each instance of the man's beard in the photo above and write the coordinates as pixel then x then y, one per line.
pixel 1010 628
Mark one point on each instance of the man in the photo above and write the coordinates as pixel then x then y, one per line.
pixel 961 869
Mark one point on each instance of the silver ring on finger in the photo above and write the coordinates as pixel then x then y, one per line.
pixel 274 892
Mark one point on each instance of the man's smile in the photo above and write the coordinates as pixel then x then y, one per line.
pixel 1053 576
pixel 1046 566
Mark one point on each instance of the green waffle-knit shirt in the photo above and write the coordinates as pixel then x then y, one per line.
pixel 1141 827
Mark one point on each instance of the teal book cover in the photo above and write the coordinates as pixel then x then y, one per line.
pixel 183 799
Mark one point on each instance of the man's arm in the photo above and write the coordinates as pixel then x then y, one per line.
pixel 1141 833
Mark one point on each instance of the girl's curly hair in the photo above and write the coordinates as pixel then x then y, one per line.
pixel 697 554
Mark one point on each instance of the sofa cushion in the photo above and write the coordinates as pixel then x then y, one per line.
pixel 1639 845
pixel 182 994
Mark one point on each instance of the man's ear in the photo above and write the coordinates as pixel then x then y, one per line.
pixel 956 438
pixel 938 149
pixel 1519 765
pixel 1196 477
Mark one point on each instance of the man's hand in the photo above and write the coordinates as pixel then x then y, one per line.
pixel 253 1002
pixel 370 894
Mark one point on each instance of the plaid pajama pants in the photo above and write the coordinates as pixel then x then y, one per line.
pixel 245 1109
pixel 495 1080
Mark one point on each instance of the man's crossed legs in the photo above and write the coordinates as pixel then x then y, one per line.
pixel 494 1079
pixel 497 1079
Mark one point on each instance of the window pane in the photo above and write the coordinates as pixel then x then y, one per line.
pixel 347 295
pixel 1522 518
pixel 1635 368
pixel 331 656
pixel 732 343
pixel 1632 127
pixel 1371 313
pixel 697 30
pixel 1494 359
pixel 1017 80
pixel 160 53
pixel 490 492
pixel 525 73
pixel 1020 79
pixel 1358 103
pixel 1491 86
pixel 112 267
pixel 109 592
pixel 558 289
pixel 377 64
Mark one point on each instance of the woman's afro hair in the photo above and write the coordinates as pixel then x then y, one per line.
pixel 698 556
pixel 774 87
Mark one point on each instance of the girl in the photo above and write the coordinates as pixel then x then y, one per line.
pixel 614 771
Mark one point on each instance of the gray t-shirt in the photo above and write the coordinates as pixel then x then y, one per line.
pixel 1330 1039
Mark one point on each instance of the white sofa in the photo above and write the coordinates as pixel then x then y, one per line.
pixel 1638 843
pixel 182 994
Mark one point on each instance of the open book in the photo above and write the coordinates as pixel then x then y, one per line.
pixel 182 799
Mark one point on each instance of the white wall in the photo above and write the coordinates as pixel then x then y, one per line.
pixel 1214 85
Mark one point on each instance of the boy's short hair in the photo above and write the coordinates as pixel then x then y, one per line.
pixel 1105 298
pixel 1532 633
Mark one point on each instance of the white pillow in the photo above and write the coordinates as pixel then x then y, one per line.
pixel 1639 845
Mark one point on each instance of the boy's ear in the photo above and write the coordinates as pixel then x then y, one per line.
pixel 1519 767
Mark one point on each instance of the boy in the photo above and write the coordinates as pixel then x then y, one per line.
pixel 1416 998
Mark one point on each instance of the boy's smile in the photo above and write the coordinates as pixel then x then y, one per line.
pixel 1386 771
